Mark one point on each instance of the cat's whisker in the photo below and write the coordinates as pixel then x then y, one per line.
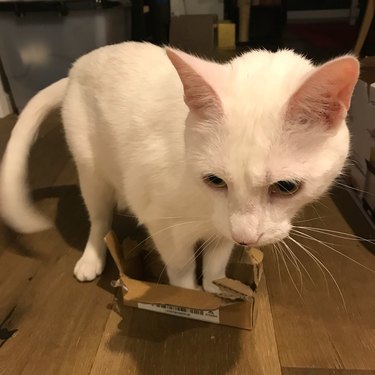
pixel 161 273
pixel 319 202
pixel 338 252
pixel 185 265
pixel 214 239
pixel 308 237
pixel 150 251
pixel 281 253
pixel 317 264
pixel 342 185
pixel 312 251
pixel 216 243
pixel 316 211
pixel 294 255
pixel 200 249
pixel 162 230
pixel 153 248
pixel 276 252
pixel 312 219
pixel 323 230
pixel 196 254
pixel 288 271
pixel 273 252
pixel 292 260
pixel 337 234
pixel 325 268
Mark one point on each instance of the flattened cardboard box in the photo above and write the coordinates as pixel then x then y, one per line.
pixel 236 306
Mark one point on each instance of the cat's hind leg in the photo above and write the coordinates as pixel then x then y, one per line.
pixel 99 200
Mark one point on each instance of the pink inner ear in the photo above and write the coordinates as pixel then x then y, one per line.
pixel 325 96
pixel 199 96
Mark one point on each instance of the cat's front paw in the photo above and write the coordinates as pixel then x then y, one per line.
pixel 88 268
pixel 209 286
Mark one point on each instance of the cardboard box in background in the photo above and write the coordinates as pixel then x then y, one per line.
pixel 361 121
pixel 142 288
pixel 196 34
pixel 193 7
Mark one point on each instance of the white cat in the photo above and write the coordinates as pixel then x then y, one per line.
pixel 196 150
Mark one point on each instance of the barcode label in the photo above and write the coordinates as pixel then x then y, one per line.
pixel 185 312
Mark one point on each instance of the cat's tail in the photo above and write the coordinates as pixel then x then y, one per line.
pixel 16 207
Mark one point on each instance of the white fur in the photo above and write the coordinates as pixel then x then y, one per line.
pixel 136 145
pixel 15 204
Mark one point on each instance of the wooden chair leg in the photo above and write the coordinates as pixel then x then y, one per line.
pixel 244 19
pixel 366 23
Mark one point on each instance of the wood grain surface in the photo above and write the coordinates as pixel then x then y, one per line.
pixel 52 324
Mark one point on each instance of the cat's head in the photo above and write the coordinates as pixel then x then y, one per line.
pixel 265 135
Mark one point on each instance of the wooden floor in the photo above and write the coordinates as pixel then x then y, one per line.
pixel 52 324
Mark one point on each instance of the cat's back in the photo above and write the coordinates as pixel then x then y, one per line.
pixel 120 62
pixel 130 80
pixel 115 56
pixel 119 98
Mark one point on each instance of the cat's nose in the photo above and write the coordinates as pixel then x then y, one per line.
pixel 248 241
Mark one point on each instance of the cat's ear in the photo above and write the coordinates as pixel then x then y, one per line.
pixel 325 95
pixel 199 95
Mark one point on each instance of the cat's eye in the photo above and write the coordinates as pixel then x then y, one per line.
pixel 214 181
pixel 285 188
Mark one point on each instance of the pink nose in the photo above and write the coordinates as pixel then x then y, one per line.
pixel 246 241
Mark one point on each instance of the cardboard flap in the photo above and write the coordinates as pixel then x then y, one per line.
pixel 246 266
pixel 152 293
pixel 145 292
pixel 234 289
pixel 255 255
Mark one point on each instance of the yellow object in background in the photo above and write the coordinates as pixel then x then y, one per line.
pixel 226 35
